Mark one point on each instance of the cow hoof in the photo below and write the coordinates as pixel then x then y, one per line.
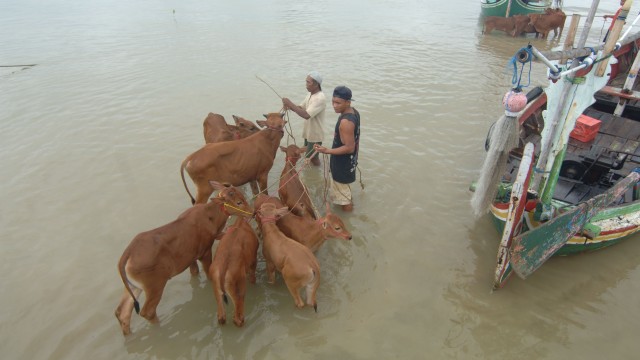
pixel 238 322
pixel 222 321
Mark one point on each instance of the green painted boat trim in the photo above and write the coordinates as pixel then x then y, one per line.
pixel 499 8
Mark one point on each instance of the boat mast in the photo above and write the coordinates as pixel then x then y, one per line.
pixel 508 9
pixel 541 178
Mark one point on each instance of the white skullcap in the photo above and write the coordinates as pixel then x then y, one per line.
pixel 316 76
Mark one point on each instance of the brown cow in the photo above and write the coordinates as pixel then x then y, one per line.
pixel 308 232
pixel 235 258
pixel 216 129
pixel 297 264
pixel 153 257
pixel 551 20
pixel 521 25
pixel 292 191
pixel 235 162
pixel 499 23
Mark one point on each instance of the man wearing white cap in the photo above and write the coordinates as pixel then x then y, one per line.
pixel 312 109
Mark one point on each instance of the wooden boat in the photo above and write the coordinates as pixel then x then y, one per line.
pixel 507 8
pixel 570 185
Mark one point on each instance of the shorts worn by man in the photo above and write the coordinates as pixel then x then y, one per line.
pixel 344 150
pixel 312 109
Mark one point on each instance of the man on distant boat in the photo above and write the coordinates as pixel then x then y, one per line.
pixel 613 20
pixel 344 151
pixel 312 110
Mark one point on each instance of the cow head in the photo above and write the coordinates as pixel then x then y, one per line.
pixel 231 200
pixel 293 153
pixel 275 121
pixel 269 213
pixel 333 227
pixel 245 125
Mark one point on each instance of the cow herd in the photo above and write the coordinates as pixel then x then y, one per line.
pixel 540 24
pixel 290 229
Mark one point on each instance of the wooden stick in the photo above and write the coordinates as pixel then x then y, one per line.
pixel 571 36
pixel 628 85
pixel 18 65
pixel 613 37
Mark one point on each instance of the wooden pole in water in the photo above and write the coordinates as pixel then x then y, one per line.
pixel 613 37
pixel 628 85
pixel 573 30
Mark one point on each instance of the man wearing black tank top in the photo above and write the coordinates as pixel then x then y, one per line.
pixel 344 151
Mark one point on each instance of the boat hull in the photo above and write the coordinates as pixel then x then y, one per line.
pixel 616 224
pixel 518 7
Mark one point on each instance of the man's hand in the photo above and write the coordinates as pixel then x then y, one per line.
pixel 287 103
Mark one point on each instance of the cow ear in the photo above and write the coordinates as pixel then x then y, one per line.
pixel 302 149
pixel 266 116
pixel 282 148
pixel 261 123
pixel 216 185
pixel 282 211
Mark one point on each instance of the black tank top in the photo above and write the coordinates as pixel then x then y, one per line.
pixel 343 167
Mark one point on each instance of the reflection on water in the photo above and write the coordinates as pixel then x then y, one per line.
pixel 93 136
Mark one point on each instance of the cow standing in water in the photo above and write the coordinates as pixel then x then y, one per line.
pixel 235 162
pixel 235 258
pixel 292 191
pixel 297 264
pixel 153 257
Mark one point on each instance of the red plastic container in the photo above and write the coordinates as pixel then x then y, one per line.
pixel 586 128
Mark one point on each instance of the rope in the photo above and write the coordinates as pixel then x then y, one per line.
pixel 516 79
pixel 272 89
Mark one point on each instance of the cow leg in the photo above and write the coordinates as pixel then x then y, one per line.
pixel 125 310
pixel 294 290
pixel 252 269
pixel 204 191
pixel 262 181
pixel 154 294
pixel 219 296
pixel 311 290
pixel 271 272
pixel 237 296
pixel 254 187
pixel 193 268
pixel 206 260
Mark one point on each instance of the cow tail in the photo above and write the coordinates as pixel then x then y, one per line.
pixel 125 280
pixel 223 288
pixel 184 164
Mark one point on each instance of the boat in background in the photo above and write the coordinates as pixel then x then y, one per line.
pixel 506 8
pixel 566 179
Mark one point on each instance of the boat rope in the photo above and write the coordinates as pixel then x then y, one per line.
pixel 516 79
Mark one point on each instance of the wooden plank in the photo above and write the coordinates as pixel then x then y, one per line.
pixel 617 92
pixel 617 127
pixel 604 141
pixel 531 249
pixel 630 147
pixel 513 223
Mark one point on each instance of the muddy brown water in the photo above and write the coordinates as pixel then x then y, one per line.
pixel 93 136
